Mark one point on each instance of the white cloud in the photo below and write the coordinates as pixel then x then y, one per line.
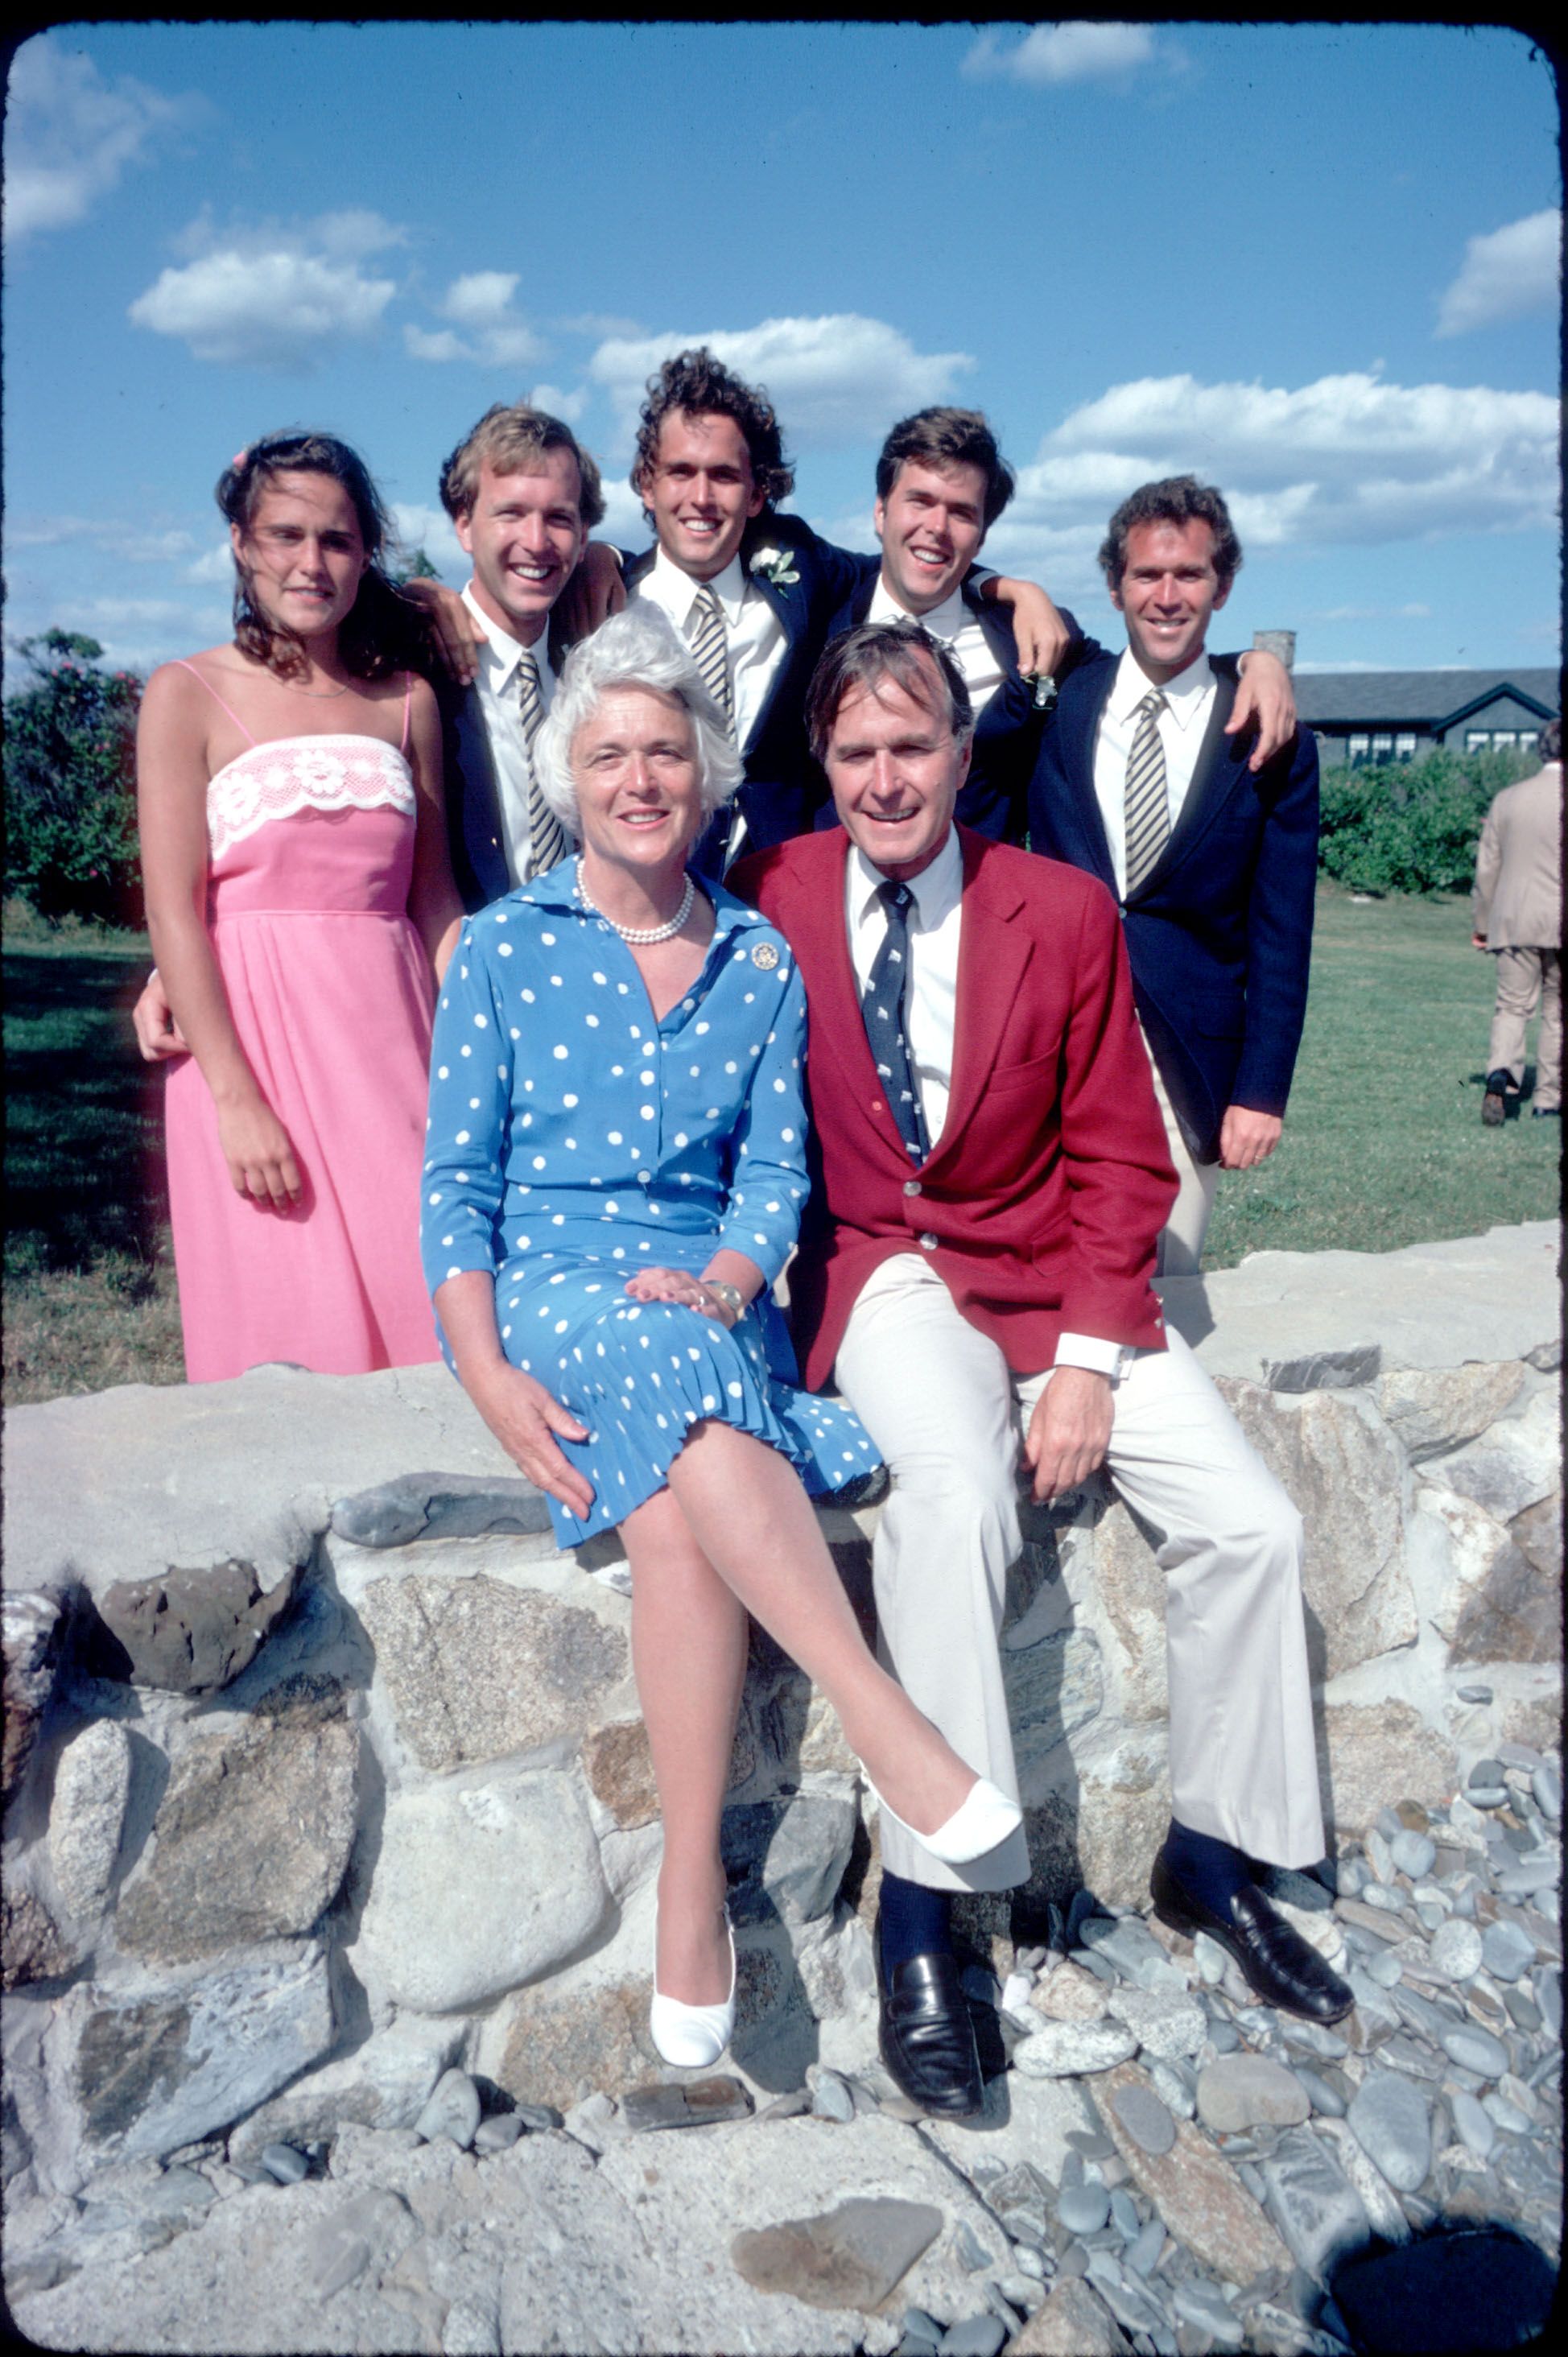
pixel 494 334
pixel 218 564
pixel 558 403
pixel 1514 270
pixel 132 544
pixel 276 296
pixel 70 135
pixel 1345 459
pixel 430 529
pixel 1053 54
pixel 826 377
pixel 625 523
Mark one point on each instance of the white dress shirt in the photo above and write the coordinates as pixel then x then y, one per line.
pixel 959 628
pixel 1190 700
pixel 754 632
pixel 496 688
pixel 930 1009
pixel 931 995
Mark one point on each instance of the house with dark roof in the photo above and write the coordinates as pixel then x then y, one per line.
pixel 1393 716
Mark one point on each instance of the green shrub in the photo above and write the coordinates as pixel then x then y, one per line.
pixel 70 799
pixel 1411 827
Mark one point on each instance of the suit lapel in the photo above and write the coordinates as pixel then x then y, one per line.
pixel 790 601
pixel 1220 764
pixel 1077 718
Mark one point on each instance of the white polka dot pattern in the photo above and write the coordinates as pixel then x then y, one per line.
pixel 627 1141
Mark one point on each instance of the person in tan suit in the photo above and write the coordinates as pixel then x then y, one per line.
pixel 1517 916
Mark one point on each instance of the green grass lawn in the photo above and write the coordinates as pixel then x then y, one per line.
pixel 1384 1144
pixel 90 1293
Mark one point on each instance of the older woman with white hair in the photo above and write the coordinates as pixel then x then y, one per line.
pixel 615 1173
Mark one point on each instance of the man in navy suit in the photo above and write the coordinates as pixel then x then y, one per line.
pixel 941 483
pixel 523 496
pixel 758 593
pixel 1209 847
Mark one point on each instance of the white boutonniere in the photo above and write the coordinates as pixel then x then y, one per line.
pixel 775 564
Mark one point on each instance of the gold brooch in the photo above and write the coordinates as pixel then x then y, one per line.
pixel 763 954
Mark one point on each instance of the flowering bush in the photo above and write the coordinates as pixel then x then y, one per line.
pixel 69 767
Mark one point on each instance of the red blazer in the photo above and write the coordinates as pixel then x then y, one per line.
pixel 1051 1179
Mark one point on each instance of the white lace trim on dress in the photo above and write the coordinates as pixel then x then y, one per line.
pixel 290 774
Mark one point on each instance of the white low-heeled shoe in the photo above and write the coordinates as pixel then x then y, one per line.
pixel 985 1818
pixel 690 2036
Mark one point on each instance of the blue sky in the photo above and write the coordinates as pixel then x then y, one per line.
pixel 1318 266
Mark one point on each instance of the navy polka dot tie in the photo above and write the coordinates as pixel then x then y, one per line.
pixel 883 1008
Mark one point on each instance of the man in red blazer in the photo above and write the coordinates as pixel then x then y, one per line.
pixel 990 1175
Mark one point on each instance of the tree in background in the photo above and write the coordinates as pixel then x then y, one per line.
pixel 1411 826
pixel 71 794
pixel 415 567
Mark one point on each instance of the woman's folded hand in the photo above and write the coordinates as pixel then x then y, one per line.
pixel 677 1285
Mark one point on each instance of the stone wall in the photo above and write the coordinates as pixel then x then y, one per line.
pixel 324 1772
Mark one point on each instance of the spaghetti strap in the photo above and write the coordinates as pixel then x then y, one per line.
pixel 217 699
pixel 407 706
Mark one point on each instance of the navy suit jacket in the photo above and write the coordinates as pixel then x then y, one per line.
pixel 474 836
pixel 994 796
pixel 783 791
pixel 1219 934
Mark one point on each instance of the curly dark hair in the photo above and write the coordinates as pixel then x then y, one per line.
pixel 380 634
pixel 696 383
pixel 1179 499
pixel 948 437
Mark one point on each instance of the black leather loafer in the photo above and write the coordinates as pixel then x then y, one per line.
pixel 927 2037
pixel 1277 1964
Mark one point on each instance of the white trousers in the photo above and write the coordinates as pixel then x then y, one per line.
pixel 1181 1238
pixel 941 1402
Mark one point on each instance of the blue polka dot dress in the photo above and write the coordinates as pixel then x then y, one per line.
pixel 574 1138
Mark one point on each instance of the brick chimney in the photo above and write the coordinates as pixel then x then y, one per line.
pixel 1277 642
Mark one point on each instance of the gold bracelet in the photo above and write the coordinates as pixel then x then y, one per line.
pixel 728 1295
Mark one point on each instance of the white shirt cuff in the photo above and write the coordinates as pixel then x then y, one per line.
pixel 1091 1350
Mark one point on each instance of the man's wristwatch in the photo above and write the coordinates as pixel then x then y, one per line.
pixel 727 1295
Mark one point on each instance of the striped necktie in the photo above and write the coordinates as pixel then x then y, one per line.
pixel 883 1011
pixel 710 647
pixel 1147 806
pixel 546 836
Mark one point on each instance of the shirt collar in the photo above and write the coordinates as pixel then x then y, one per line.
pixel 501 650
pixel 944 621
pixel 1184 695
pixel 678 591
pixel 935 890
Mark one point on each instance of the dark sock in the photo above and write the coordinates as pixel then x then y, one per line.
pixel 911 1920
pixel 1208 1871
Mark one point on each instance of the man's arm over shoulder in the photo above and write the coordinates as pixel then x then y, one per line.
pixel 1279 928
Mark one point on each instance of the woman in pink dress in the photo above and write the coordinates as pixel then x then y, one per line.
pixel 299 898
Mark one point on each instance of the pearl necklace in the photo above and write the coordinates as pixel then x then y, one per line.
pixel 639 936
